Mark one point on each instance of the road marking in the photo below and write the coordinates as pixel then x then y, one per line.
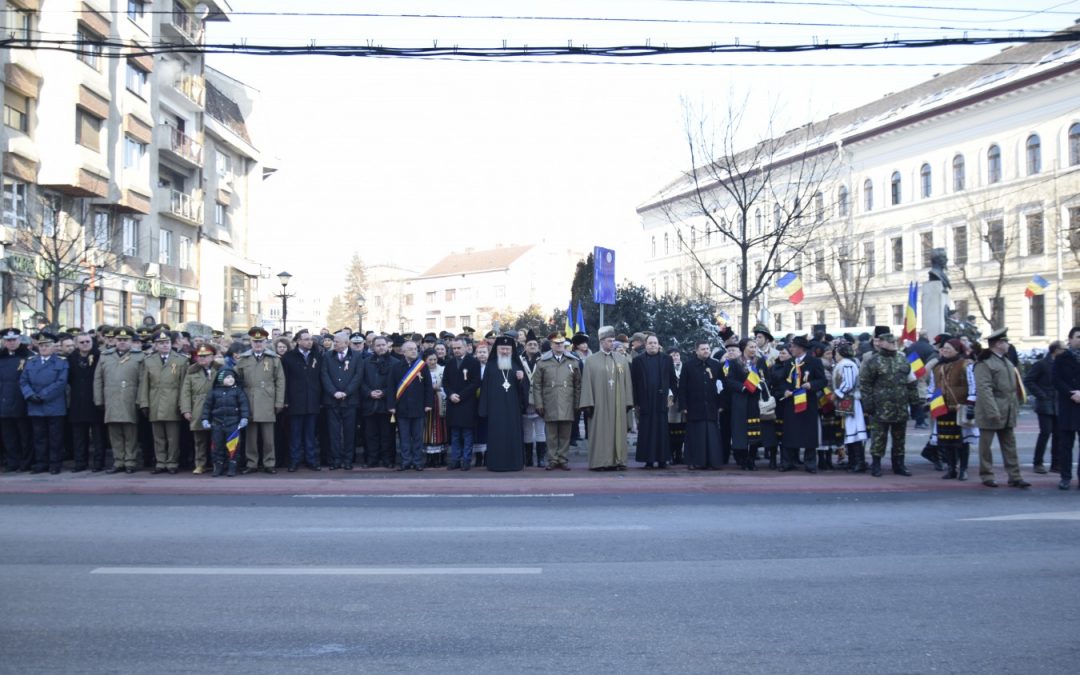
pixel 1053 515
pixel 318 571
pixel 439 496
pixel 462 529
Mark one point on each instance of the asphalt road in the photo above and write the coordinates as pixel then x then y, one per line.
pixel 706 583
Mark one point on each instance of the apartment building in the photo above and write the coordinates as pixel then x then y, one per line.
pixel 983 162
pixel 110 160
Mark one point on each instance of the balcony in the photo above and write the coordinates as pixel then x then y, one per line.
pixel 182 147
pixel 186 207
pixel 183 25
pixel 193 87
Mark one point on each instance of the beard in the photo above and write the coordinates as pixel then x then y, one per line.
pixel 504 362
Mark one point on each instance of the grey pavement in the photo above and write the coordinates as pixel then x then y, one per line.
pixel 955 582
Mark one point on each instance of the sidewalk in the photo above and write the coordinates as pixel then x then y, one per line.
pixel 532 481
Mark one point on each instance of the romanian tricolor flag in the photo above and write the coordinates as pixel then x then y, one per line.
pixel 410 376
pixel 568 330
pixel 232 443
pixel 1037 286
pixel 918 368
pixel 725 318
pixel 791 285
pixel 753 380
pixel 800 400
pixel 910 331
pixel 937 405
pixel 825 400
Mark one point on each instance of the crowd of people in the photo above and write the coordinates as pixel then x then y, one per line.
pixel 169 400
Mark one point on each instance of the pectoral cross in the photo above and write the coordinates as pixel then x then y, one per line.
pixel 506 386
pixel 611 383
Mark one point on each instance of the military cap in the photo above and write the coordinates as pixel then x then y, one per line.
pixel 999 334
pixel 104 328
pixel 217 333
pixel 206 350
pixel 468 330
pixel 11 333
pixel 144 334
pixel 123 333
pixel 44 336
pixel 579 338
pixel 162 336
pixel 258 333
pixel 356 338
pixel 428 337
pixel 446 335
pixel 160 327
pixel 887 341
pixel 490 335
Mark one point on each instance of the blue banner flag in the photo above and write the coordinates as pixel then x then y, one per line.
pixel 603 276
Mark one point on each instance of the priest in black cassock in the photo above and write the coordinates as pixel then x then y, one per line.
pixel 653 376
pixel 699 395
pixel 503 397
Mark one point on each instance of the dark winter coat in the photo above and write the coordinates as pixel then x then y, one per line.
pixel 465 382
pixel 1066 375
pixel 697 389
pixel 12 403
pixel 226 406
pixel 1040 386
pixel 341 375
pixel 303 381
pixel 417 396
pixel 378 375
pixel 45 379
pixel 81 408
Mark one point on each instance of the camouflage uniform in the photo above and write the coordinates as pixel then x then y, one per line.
pixel 888 391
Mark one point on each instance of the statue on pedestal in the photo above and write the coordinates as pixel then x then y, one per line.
pixel 939 260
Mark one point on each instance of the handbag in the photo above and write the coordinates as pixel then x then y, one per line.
pixel 845 407
pixel 766 404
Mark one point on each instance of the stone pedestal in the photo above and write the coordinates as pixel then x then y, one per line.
pixel 935 300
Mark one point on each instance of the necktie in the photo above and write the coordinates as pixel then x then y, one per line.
pixel 341 357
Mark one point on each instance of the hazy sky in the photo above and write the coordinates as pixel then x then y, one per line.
pixel 406 159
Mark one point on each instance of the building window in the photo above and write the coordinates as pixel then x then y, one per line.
pixel 958 173
pixel 667 285
pixel 89 48
pixel 429 323
pixel 667 244
pixel 898 254
pixel 777 214
pixel 134 153
pixel 993 165
pixel 451 322
pixel 821 317
pixel 842 207
pixel 408 300
pixel 1033 152
pixel 819 265
pixel 868 195
pixel 1074 228
pixel 925 182
pixel 88 129
pixel 1035 233
pixel 15 204
pixel 995 236
pixel 819 208
pixel 136 79
pixel 16 110
pixel 1076 308
pixel 165 247
pixel 798 321
pixel 130 228
pixel 997 312
pixel 1038 315
pixel 450 295
pixel 759 225
pixel 430 297
pixel 693 236
pixel 1074 144
pixel 894 188
pixel 221 216
pixel 871 316
pixel 960 245
pixel 185 253
pixel 223 162
pixel 136 10
pixel 500 292
pixel 678 284
pixel 50 214
pixel 100 221
pixel 19 23
pixel 723 276
pixel 870 260
pixel 652 246
pixel 926 244
pixel 897 315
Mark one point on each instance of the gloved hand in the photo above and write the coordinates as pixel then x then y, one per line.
pixel 243 422
pixel 206 424
pixel 36 399
pixel 970 411
pixel 145 412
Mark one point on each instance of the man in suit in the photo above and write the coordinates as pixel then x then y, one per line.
pixel 461 382
pixel 84 419
pixel 342 370
pixel 802 426
pixel 303 397
pixel 412 397
pixel 1066 375
pixel 376 399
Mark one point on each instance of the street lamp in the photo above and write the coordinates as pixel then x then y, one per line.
pixel 284 278
pixel 360 313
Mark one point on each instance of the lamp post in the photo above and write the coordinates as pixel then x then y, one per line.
pixel 360 313
pixel 284 278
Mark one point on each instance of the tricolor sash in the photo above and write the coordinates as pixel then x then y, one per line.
pixel 410 377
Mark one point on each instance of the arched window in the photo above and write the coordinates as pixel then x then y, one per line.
pixel 667 245
pixel 693 236
pixel 1033 152
pixel 653 246
pixel 868 195
pixel 758 225
pixel 776 215
pixel 842 201
pixel 819 207
pixel 925 182
pixel 1074 144
pixel 958 173
pixel 894 188
pixel 993 165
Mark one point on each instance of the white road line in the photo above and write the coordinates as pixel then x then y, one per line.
pixel 439 496
pixel 1054 515
pixel 462 529
pixel 318 571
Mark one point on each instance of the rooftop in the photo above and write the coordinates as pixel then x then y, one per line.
pixel 470 262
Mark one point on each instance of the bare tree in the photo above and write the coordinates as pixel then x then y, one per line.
pixel 762 201
pixel 847 273
pixel 1001 240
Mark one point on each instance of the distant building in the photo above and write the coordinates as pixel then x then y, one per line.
pixel 983 161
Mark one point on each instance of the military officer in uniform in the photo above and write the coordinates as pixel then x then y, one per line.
pixel 14 425
pixel 263 379
pixel 44 385
pixel 116 390
pixel 888 392
pixel 997 404
pixel 198 382
pixel 556 393
pixel 159 399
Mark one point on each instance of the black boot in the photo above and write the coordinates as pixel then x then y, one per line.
pixel 932 453
pixel 528 454
pixel 823 460
pixel 541 454
pixel 811 461
pixel 771 454
pixel 218 468
pixel 787 459
pixel 875 467
pixel 740 458
pixel 962 460
pixel 751 459
pixel 232 468
pixel 898 465
pixel 950 460
pixel 481 458
pixel 858 457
